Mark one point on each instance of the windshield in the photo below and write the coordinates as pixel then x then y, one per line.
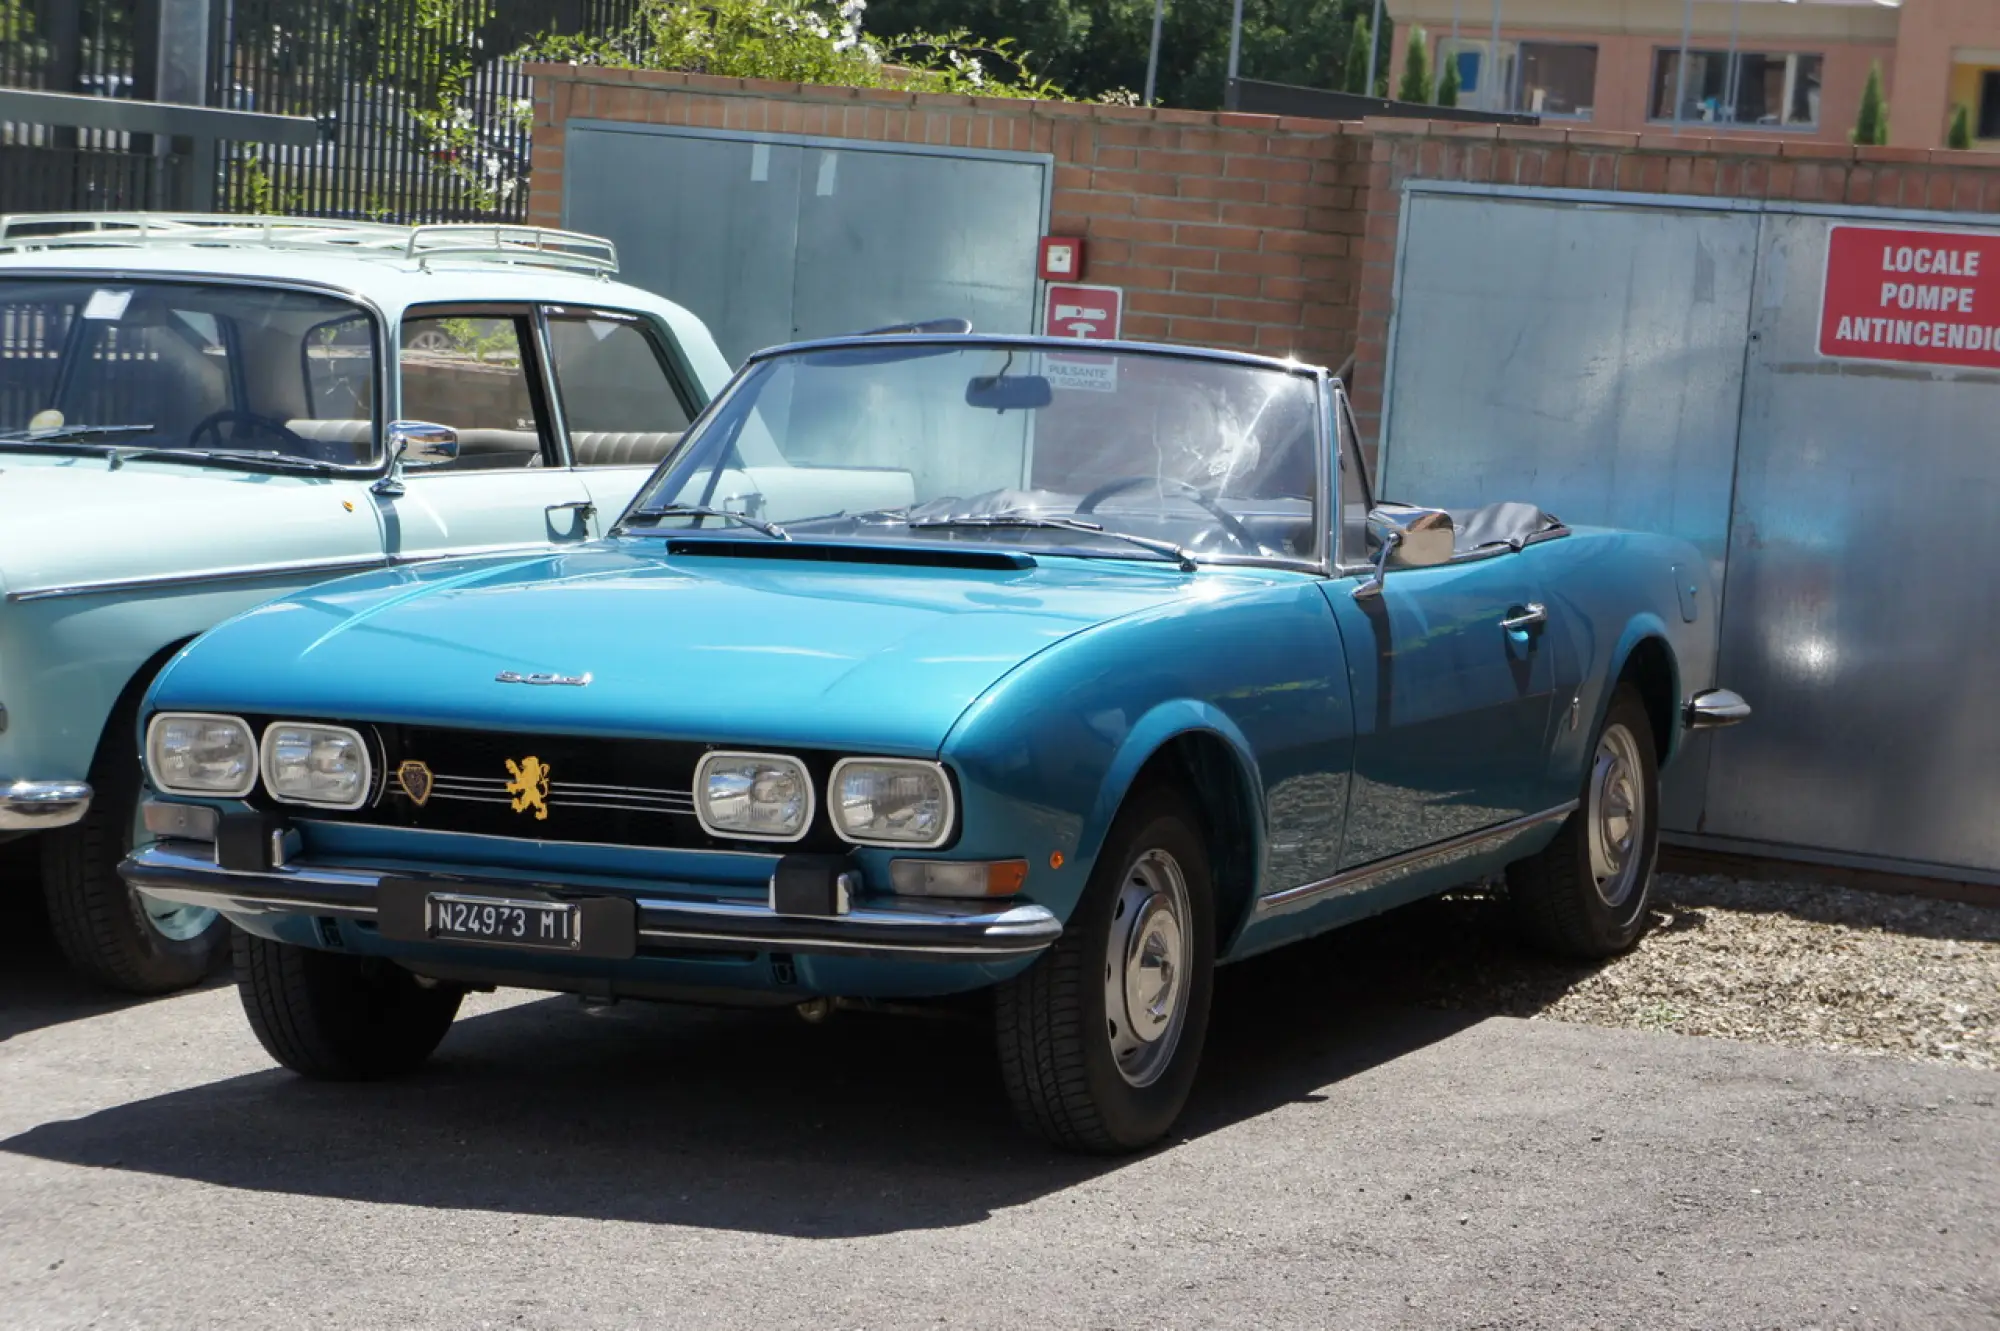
pixel 1016 444
pixel 186 366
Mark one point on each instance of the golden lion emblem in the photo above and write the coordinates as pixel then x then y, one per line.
pixel 530 786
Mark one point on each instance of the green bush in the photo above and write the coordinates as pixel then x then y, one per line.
pixel 1416 85
pixel 1355 72
pixel 1448 86
pixel 1961 128
pixel 1872 125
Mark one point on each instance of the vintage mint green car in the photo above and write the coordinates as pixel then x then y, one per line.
pixel 198 414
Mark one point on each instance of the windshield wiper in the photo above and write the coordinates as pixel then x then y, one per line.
pixel 770 529
pixel 1166 549
pixel 71 434
pixel 262 457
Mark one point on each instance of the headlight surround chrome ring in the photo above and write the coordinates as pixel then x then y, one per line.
pixel 160 727
pixel 739 760
pixel 947 825
pixel 266 751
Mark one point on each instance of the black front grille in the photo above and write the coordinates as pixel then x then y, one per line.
pixel 621 792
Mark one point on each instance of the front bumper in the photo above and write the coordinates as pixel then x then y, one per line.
pixel 185 873
pixel 35 806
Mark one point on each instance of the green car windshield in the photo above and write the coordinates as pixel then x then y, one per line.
pixel 1133 454
pixel 186 368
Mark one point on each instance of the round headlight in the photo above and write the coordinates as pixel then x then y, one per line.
pixel 891 802
pixel 325 766
pixel 761 796
pixel 199 753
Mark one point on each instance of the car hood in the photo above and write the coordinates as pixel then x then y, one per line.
pixel 731 649
pixel 73 520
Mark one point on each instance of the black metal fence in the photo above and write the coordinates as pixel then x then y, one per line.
pixel 424 110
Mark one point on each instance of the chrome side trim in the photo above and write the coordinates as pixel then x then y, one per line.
pixel 34 806
pixel 185 873
pixel 327 567
pixel 1360 876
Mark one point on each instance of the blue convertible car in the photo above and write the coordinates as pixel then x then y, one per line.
pixel 929 665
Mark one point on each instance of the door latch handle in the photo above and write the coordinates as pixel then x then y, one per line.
pixel 583 508
pixel 1532 614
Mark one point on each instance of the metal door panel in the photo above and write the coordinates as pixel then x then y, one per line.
pixel 891 236
pixel 1860 619
pixel 1451 711
pixel 707 221
pixel 1588 359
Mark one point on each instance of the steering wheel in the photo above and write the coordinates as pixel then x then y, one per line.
pixel 1231 524
pixel 250 423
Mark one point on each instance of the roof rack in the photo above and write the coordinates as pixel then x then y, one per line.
pixel 475 242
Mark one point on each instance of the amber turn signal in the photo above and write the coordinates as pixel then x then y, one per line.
pixel 957 878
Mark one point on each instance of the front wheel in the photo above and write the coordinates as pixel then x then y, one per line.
pixel 1100 1038
pixel 1586 894
pixel 108 932
pixel 339 1018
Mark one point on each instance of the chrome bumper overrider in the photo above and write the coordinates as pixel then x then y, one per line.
pixel 185 873
pixel 31 806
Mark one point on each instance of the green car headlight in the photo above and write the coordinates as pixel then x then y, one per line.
pixel 891 802
pixel 761 796
pixel 201 753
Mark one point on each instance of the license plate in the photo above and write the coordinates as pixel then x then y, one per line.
pixel 514 923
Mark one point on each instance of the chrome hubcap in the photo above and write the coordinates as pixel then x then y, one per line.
pixel 1146 968
pixel 1617 816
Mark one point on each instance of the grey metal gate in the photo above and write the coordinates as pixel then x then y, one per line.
pixel 771 237
pixel 1651 362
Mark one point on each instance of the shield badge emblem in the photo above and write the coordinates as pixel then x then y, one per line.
pixel 415 779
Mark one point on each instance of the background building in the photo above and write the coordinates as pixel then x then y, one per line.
pixel 1798 69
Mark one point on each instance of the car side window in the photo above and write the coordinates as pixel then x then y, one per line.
pixel 470 372
pixel 621 404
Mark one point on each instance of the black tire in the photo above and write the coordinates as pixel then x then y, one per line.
pixel 101 926
pixel 1053 1021
pixel 1558 903
pixel 339 1018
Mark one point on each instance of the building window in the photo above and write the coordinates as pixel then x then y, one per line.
pixel 1556 79
pixel 1763 88
pixel 1989 104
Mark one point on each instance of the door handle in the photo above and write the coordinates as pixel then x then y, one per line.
pixel 583 508
pixel 1526 618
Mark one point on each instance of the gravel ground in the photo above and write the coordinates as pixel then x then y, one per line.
pixel 1807 966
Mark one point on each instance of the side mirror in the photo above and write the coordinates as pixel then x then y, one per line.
pixel 1407 537
pixel 415 444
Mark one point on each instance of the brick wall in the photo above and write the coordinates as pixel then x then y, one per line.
pixel 1257 232
pixel 1225 230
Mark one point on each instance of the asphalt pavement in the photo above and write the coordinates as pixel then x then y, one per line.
pixel 1343 1164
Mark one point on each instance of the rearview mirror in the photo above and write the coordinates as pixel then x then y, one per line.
pixel 1407 537
pixel 1002 392
pixel 414 444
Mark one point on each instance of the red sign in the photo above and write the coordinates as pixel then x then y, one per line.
pixel 1926 297
pixel 1090 313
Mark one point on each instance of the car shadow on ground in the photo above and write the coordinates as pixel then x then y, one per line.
pixel 864 1124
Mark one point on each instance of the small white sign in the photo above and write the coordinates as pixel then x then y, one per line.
pixel 1094 374
pixel 107 305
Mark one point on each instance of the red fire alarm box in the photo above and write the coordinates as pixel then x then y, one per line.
pixel 1061 259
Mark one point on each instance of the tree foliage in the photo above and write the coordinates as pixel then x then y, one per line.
pixel 1092 48
pixel 1961 127
pixel 1416 85
pixel 1871 126
pixel 1448 84
pixel 1354 77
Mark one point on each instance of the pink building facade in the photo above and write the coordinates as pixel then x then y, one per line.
pixel 1763 68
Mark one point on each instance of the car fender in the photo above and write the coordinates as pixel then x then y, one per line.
pixel 1147 738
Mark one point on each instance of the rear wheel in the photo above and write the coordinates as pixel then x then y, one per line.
pixel 1099 1040
pixel 1586 894
pixel 339 1018
pixel 109 933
